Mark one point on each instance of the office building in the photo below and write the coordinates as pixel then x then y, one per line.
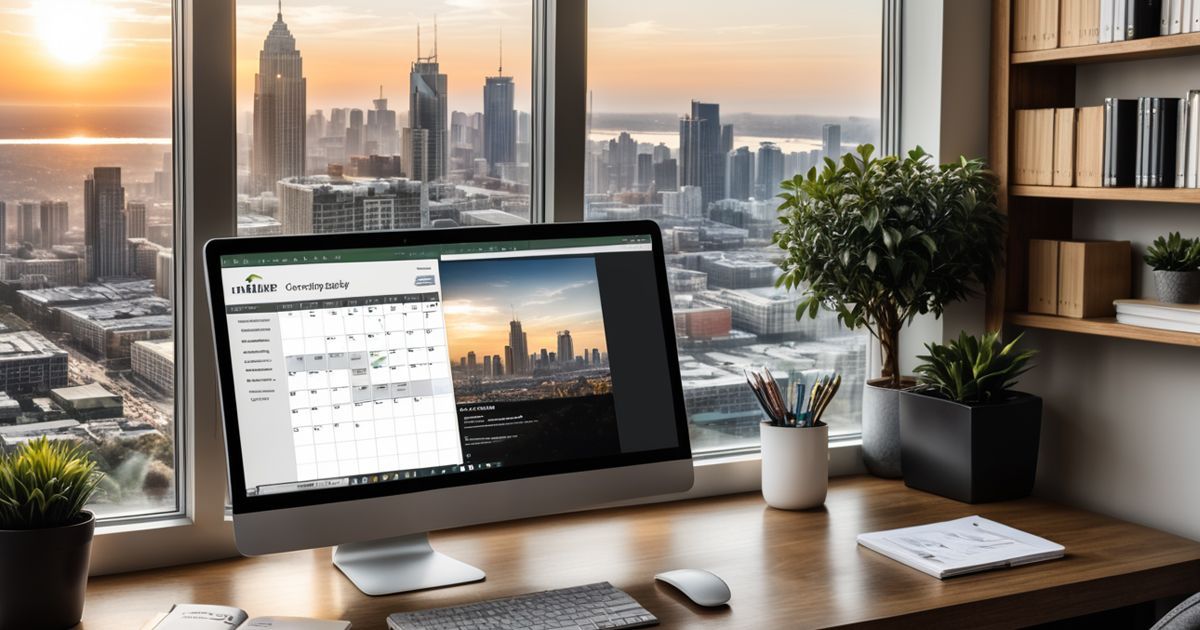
pixel 517 351
pixel 30 363
pixel 381 128
pixel 831 141
pixel 645 172
pixel 661 152
pixel 741 173
pixel 355 134
pixel 622 163
pixel 566 345
pixel 762 311
pixel 106 253
pixel 27 222
pixel 280 107
pixel 428 117
pixel 703 323
pixel 41 269
pixel 320 204
pixel 164 275
pixel 88 402
pixel 666 175
pixel 107 330
pixel 687 202
pixel 3 227
pixel 499 122
pixel 135 219
pixel 770 171
pixel 701 160
pixel 53 223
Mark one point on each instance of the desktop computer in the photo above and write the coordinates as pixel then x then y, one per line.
pixel 378 386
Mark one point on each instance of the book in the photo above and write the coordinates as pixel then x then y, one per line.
pixel 1064 147
pixel 1043 276
pixel 1167 134
pixel 1194 6
pixel 1141 177
pixel 1164 24
pixel 1034 154
pixel 1079 23
pixel 1106 21
pixel 1160 324
pixel 1121 142
pixel 211 617
pixel 962 546
pixel 1192 161
pixel 1035 25
pixel 1119 21
pixel 1178 313
pixel 1181 143
pixel 1089 146
pixel 1143 18
pixel 1176 16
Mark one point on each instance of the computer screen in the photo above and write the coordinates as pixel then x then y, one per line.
pixel 358 368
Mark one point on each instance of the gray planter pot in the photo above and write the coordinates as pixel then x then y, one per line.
pixel 1177 287
pixel 43 575
pixel 881 428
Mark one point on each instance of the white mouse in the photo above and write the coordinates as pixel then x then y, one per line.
pixel 700 586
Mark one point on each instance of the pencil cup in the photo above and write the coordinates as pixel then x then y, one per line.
pixel 795 466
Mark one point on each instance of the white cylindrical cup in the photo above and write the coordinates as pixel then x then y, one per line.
pixel 795 466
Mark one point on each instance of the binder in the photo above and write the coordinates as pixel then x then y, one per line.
pixel 1192 179
pixel 1089 146
pixel 1079 23
pixel 1035 25
pixel 1195 13
pixel 1181 143
pixel 1176 12
pixel 1064 147
pixel 1120 7
pixel 1166 133
pixel 1143 18
pixel 1110 178
pixel 1164 22
pixel 1034 154
pixel 1142 174
pixel 1121 143
pixel 1106 21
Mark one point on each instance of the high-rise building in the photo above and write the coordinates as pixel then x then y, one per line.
pixel 499 121
pixel 661 153
pixel 666 175
pixel 645 171
pixel 135 219
pixel 104 237
pixel 517 350
pixel 53 223
pixel 831 141
pixel 726 139
pixel 566 345
pixel 428 117
pixel 279 110
pixel 381 127
pixel 316 126
pixel 3 228
pixel 686 203
pixel 27 222
pixel 497 366
pixel 622 163
pixel 741 173
pixel 770 171
pixel 321 204
pixel 337 122
pixel 355 134
pixel 487 365
pixel 701 160
pixel 471 362
pixel 595 356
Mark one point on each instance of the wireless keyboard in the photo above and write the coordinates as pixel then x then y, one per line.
pixel 593 606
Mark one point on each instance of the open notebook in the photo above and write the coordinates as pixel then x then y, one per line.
pixel 958 547
pixel 209 617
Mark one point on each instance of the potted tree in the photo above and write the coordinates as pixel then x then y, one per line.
pixel 879 241
pixel 1176 263
pixel 964 433
pixel 45 534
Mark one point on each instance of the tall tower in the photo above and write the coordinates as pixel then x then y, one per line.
pixel 566 346
pixel 518 342
pixel 499 120
pixel 3 228
pixel 770 171
pixel 280 91
pixel 701 161
pixel 27 222
pixel 831 141
pixel 427 116
pixel 741 174
pixel 107 252
pixel 381 126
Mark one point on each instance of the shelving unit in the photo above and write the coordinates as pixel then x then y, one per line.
pixel 1045 79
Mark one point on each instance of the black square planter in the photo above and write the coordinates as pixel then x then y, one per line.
pixel 969 453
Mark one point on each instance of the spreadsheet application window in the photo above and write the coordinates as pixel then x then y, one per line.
pixel 361 378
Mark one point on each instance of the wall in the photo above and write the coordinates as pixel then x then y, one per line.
pixel 1121 430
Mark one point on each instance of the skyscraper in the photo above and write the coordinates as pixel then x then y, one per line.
pixel 595 356
pixel 831 141
pixel 726 139
pixel 381 127
pixel 107 252
pixel 428 118
pixel 566 346
pixel 497 367
pixel 645 171
pixel 3 227
pixel 701 161
pixel 518 348
pixel 279 110
pixel 499 121
pixel 666 175
pixel 741 173
pixel 355 134
pixel 770 170
pixel 622 162
pixel 135 219
pixel 27 222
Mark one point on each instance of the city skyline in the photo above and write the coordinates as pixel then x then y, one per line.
pixel 545 299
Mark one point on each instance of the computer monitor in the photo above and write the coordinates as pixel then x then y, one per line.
pixel 377 386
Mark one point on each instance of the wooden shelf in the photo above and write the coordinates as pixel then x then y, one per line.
pixel 1156 195
pixel 1146 48
pixel 1103 327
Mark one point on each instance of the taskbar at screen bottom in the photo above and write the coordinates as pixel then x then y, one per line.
pixel 362 480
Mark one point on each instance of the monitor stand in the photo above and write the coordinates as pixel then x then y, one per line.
pixel 399 565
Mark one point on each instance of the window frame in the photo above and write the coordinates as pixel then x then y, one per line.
pixel 204 150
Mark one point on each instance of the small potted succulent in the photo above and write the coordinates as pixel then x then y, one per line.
pixel 45 534
pixel 1176 263
pixel 964 433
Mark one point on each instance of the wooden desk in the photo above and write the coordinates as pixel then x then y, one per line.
pixel 786 569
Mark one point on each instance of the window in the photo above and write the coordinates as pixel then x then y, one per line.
pixel 696 113
pixel 87 277
pixel 376 116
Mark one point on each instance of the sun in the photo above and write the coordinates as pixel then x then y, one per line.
pixel 73 31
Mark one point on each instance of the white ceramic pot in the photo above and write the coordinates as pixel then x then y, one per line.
pixel 795 466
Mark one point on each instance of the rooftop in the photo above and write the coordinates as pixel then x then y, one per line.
pixel 27 344
pixel 146 312
pixel 91 293
pixel 164 349
pixel 83 392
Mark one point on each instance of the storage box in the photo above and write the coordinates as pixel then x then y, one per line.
pixel 1091 274
pixel 1043 276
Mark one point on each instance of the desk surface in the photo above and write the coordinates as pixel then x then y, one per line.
pixel 799 569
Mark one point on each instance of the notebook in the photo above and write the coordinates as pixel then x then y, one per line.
pixel 958 547
pixel 208 617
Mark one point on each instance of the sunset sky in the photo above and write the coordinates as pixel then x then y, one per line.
pixel 766 56
pixel 480 298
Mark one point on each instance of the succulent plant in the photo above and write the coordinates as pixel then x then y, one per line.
pixel 1174 253
pixel 45 484
pixel 972 370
